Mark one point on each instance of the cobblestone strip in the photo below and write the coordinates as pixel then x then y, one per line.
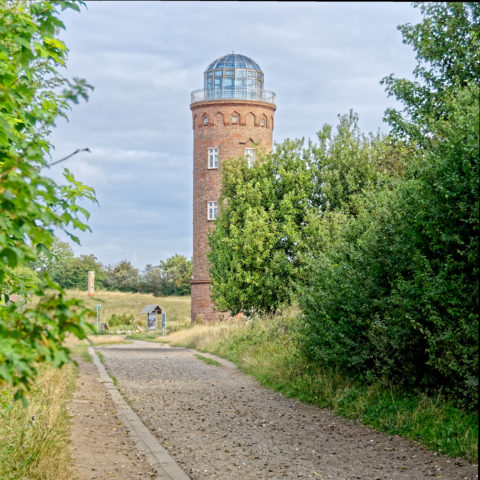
pixel 159 458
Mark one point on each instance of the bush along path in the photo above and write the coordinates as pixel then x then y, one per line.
pixel 217 422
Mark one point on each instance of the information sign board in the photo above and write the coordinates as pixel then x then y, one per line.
pixel 152 321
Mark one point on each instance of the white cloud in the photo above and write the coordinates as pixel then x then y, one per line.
pixel 145 58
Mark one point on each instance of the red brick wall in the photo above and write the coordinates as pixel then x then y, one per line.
pixel 231 140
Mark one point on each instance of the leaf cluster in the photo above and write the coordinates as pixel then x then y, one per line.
pixel 31 204
pixel 394 289
pixel 261 236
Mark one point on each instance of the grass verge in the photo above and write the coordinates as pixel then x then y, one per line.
pixel 151 338
pixel 80 347
pixel 208 361
pixel 34 440
pixel 268 350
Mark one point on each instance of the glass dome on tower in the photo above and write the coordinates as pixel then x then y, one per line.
pixel 233 76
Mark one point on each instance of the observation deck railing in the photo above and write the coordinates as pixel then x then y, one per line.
pixel 204 95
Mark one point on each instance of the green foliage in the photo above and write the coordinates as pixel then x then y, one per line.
pixel 251 257
pixel 66 269
pixel 74 273
pixel 447 47
pixel 171 277
pixel 31 204
pixel 260 237
pixel 377 237
pixel 60 254
pixel 123 277
pixel 394 288
pixel 120 319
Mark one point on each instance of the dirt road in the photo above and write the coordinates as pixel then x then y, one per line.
pixel 217 422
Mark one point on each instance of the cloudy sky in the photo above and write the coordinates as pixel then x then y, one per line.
pixel 145 58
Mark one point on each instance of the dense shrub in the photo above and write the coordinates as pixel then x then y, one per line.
pixel 378 237
pixel 394 288
pixel 120 319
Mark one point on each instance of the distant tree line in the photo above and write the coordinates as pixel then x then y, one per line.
pixel 376 237
pixel 169 277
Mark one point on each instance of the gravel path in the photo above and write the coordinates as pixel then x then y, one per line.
pixel 219 423
pixel 100 444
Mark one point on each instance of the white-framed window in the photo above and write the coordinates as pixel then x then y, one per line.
pixel 212 210
pixel 213 157
pixel 262 122
pixel 205 120
pixel 234 119
pixel 249 154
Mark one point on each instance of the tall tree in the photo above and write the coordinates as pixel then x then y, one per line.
pixel 73 273
pixel 261 236
pixel 60 253
pixel 171 277
pixel 447 49
pixel 395 288
pixel 177 272
pixel 123 277
pixel 31 204
pixel 251 256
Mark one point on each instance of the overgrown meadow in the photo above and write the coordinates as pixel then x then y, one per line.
pixel 121 310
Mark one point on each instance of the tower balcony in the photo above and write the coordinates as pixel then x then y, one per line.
pixel 255 94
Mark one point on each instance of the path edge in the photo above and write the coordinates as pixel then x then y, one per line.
pixel 159 458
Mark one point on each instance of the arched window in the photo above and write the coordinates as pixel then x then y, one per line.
pixel 219 120
pixel 250 119
pixel 205 119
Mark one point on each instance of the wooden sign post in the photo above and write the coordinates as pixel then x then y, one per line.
pixel 91 283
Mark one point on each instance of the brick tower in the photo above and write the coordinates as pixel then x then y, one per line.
pixel 232 117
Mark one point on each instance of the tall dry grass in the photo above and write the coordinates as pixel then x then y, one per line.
pixel 204 337
pixel 127 303
pixel 34 440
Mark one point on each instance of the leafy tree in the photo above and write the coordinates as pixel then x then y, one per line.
pixel 440 221
pixel 31 204
pixel 123 277
pixel 252 247
pixel 153 280
pixel 446 45
pixel 394 290
pixel 67 270
pixel 177 272
pixel 171 277
pixel 261 237
pixel 73 273
pixel 441 215
pixel 60 253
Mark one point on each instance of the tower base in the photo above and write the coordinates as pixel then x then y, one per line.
pixel 203 309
